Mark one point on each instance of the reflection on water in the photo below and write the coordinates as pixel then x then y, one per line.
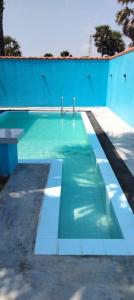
pixel 82 212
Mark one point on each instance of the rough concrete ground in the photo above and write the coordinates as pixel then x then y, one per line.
pixel 3 180
pixel 24 276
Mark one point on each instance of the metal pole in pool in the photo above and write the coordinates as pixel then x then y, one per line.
pixel 62 103
pixel 74 105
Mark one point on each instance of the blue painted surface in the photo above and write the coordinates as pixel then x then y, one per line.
pixel 120 94
pixel 42 82
pixel 8 158
pixel 36 82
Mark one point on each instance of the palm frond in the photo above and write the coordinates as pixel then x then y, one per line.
pixel 124 14
pixel 125 2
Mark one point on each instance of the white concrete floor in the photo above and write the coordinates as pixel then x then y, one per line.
pixel 119 132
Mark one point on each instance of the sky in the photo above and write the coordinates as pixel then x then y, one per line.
pixel 42 26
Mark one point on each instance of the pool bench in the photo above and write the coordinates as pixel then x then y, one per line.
pixel 8 150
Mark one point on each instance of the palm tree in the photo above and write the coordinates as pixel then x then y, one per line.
pixel 107 41
pixel 2 53
pixel 12 47
pixel 116 43
pixel 101 38
pixel 125 18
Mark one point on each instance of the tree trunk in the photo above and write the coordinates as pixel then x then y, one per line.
pixel 2 52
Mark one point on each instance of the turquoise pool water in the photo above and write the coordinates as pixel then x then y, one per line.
pixel 85 211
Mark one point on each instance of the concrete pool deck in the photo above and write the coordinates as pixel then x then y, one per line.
pixel 119 132
pixel 25 276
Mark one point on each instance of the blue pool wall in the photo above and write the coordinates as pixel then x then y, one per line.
pixel 42 82
pixel 120 92
pixel 8 159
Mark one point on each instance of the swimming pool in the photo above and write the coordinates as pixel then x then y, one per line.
pixel 85 210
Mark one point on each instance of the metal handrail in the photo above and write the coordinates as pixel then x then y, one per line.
pixel 74 100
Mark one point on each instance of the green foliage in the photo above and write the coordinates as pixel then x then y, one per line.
pixel 1 6
pixel 117 43
pixel 107 41
pixel 65 53
pixel 125 18
pixel 48 55
pixel 2 53
pixel 124 2
pixel 12 47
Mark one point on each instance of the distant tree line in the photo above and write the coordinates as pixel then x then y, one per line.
pixel 64 53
